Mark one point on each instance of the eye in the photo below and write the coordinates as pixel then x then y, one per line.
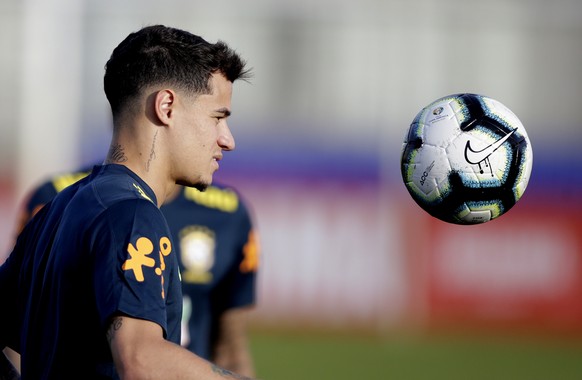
pixel 222 113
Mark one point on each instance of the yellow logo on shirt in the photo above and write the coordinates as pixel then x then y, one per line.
pixel 63 181
pixel 142 193
pixel 225 200
pixel 251 252
pixel 139 258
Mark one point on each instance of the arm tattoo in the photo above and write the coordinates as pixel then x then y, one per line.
pixel 116 154
pixel 152 152
pixel 227 374
pixel 113 327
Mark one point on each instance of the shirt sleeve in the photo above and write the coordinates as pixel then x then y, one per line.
pixel 14 278
pixel 240 289
pixel 9 272
pixel 133 260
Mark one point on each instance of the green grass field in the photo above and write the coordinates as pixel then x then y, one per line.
pixel 283 355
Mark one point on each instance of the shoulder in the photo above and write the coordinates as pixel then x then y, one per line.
pixel 110 196
pixel 113 184
pixel 122 219
pixel 47 190
pixel 62 181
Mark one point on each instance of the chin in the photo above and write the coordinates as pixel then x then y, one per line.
pixel 199 185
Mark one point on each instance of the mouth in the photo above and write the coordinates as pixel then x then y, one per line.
pixel 216 159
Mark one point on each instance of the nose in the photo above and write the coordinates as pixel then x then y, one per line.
pixel 225 138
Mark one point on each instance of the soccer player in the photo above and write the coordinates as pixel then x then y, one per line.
pixel 218 253
pixel 92 286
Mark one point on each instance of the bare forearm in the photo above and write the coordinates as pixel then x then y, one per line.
pixel 140 352
pixel 241 363
pixel 7 370
pixel 231 350
pixel 235 355
pixel 175 360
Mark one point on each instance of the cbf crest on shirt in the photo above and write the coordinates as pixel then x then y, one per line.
pixel 214 233
pixel 197 246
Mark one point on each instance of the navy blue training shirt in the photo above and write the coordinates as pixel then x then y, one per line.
pixel 100 248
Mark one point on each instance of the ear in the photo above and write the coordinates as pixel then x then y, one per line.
pixel 164 105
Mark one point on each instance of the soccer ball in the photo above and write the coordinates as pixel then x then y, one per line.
pixel 466 159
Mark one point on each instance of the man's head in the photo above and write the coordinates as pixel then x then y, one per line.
pixel 180 86
pixel 160 56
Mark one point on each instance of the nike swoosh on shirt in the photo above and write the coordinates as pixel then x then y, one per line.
pixel 475 156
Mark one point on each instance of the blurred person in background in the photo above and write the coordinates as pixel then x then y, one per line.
pixel 218 252
pixel 92 286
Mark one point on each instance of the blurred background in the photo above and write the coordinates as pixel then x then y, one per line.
pixel 356 280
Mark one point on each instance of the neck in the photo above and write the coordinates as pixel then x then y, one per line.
pixel 173 194
pixel 144 158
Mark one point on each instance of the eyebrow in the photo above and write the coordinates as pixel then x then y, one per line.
pixel 225 111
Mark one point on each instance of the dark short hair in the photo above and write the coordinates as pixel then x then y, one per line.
pixel 165 56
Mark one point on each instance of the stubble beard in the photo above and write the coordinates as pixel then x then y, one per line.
pixel 200 186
